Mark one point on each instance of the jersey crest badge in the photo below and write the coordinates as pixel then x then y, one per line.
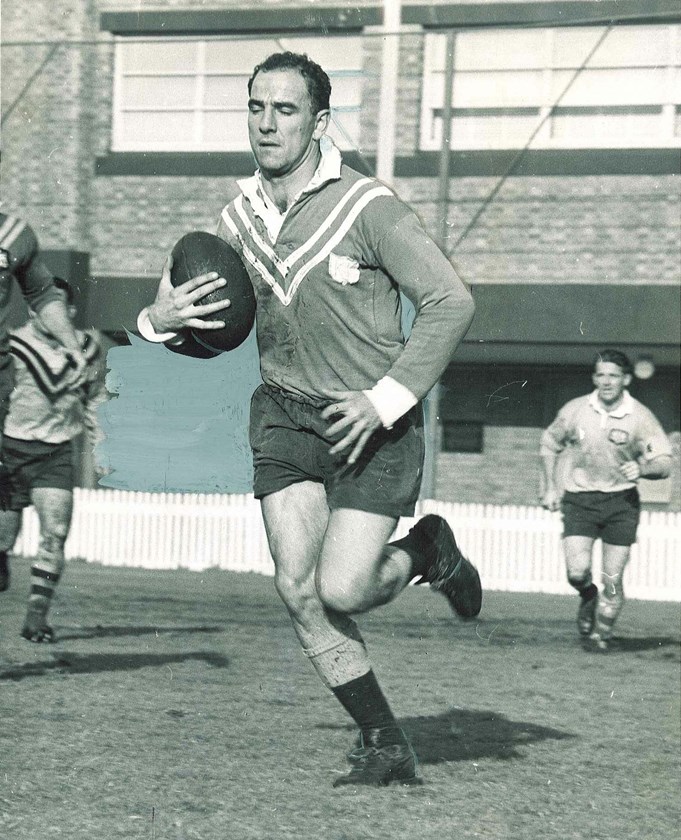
pixel 343 270
pixel 618 436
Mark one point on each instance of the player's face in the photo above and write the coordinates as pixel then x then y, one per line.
pixel 610 381
pixel 282 128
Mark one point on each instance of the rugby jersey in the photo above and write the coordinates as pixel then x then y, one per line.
pixel 600 441
pixel 19 258
pixel 42 406
pixel 327 276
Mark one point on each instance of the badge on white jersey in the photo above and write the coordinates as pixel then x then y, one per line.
pixel 618 436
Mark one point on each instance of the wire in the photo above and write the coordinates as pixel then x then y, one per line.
pixel 28 83
pixel 277 39
pixel 521 153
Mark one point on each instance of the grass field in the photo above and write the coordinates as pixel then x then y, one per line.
pixel 177 705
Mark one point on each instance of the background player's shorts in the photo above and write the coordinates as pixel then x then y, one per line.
pixel 6 384
pixel 287 436
pixel 33 463
pixel 611 516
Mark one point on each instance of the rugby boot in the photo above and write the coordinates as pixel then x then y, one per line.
pixel 382 757
pixel 449 572
pixel 595 643
pixel 4 571
pixel 586 615
pixel 35 627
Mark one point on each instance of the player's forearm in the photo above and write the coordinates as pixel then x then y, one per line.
pixel 431 346
pixel 656 469
pixel 56 319
pixel 444 306
pixel 91 425
pixel 548 459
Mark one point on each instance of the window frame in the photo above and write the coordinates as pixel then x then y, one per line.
pixel 669 122
pixel 347 140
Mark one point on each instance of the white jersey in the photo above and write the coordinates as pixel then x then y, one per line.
pixel 42 405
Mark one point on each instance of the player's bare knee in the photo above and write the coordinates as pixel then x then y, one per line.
pixel 52 542
pixel 579 580
pixel 51 550
pixel 340 594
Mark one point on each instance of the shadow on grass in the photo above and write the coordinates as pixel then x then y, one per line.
pixel 469 735
pixel 94 663
pixel 641 643
pixel 100 631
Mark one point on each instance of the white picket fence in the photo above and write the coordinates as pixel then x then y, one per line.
pixel 515 548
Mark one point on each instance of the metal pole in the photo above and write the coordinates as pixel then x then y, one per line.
pixel 432 406
pixel 445 141
pixel 385 152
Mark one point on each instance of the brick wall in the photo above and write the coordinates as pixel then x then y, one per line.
pixel 509 471
pixel 47 139
pixel 572 229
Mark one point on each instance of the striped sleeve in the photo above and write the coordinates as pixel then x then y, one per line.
pixel 33 276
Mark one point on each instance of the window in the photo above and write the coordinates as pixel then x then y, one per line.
pixel 187 94
pixel 462 436
pixel 510 83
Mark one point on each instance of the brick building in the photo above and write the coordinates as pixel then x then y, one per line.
pixel 558 198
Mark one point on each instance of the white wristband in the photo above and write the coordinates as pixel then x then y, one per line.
pixel 391 400
pixel 147 331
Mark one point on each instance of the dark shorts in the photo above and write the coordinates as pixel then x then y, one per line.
pixel 35 464
pixel 287 436
pixel 612 517
pixel 6 384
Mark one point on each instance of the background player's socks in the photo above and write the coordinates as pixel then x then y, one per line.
pixel 589 592
pixel 586 614
pixel 4 571
pixel 43 583
pixel 603 625
pixel 364 701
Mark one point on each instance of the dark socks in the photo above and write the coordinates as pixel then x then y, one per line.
pixel 589 592
pixel 4 571
pixel 414 545
pixel 364 701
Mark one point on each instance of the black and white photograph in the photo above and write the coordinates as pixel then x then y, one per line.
pixel 340 443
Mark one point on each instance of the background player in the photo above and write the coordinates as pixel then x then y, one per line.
pixel 337 429
pixel 613 441
pixel 46 415
pixel 20 260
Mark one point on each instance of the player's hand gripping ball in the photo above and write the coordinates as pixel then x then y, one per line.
pixel 199 253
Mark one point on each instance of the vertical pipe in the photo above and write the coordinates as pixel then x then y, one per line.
pixel 385 152
pixel 432 403
pixel 445 140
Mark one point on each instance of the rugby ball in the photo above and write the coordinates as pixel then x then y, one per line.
pixel 198 253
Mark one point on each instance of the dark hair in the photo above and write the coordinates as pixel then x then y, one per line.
pixel 615 357
pixel 318 83
pixel 65 287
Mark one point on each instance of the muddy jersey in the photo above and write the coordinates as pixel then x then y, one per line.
pixel 327 278
pixel 600 441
